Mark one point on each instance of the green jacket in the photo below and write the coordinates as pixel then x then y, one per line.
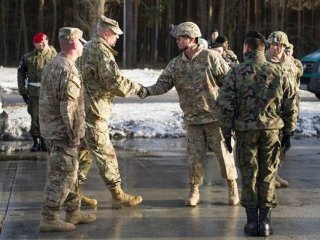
pixel 30 70
pixel 256 96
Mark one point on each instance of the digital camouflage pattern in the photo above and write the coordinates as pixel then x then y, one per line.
pixel 61 104
pixel 197 82
pixel 29 72
pixel 257 101
pixel 61 110
pixel 230 57
pixel 103 81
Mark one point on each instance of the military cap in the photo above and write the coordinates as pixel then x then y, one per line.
pixel 71 33
pixel 39 37
pixel 220 40
pixel 258 35
pixel 278 37
pixel 110 23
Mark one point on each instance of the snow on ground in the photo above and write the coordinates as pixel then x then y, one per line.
pixel 150 120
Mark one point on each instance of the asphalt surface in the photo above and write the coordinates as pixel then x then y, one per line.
pixel 156 169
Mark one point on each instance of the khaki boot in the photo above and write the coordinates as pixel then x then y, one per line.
pixel 283 183
pixel 55 225
pixel 121 199
pixel 194 196
pixel 77 216
pixel 233 192
pixel 85 201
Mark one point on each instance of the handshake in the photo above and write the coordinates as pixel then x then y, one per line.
pixel 143 93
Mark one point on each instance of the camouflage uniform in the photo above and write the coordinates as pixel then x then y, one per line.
pixel 197 82
pixel 62 124
pixel 3 114
pixel 230 57
pixel 29 72
pixel 256 102
pixel 102 81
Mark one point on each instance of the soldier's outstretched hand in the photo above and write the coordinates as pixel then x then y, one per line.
pixel 143 93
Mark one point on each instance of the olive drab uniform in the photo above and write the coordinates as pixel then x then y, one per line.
pixel 257 101
pixel 29 82
pixel 102 81
pixel 197 82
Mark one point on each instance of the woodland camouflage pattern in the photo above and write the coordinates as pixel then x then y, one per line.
pixel 253 102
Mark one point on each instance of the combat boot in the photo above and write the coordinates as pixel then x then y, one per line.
pixel 283 183
pixel 77 216
pixel 233 192
pixel 36 145
pixel 122 199
pixel 43 145
pixel 251 228
pixel 194 196
pixel 85 201
pixel 55 225
pixel 265 228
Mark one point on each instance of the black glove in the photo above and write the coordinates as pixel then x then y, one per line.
pixel 285 143
pixel 143 93
pixel 227 141
pixel 25 98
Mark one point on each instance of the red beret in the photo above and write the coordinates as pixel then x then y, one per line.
pixel 39 37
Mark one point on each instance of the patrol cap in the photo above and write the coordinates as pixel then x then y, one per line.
pixel 278 37
pixel 110 23
pixel 71 33
pixel 258 35
pixel 220 40
pixel 39 37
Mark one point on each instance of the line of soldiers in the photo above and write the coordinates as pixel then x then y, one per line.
pixel 254 102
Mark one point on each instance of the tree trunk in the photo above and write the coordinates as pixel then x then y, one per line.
pixel 3 42
pixel 24 27
pixel 54 21
pixel 221 16
pixel 40 18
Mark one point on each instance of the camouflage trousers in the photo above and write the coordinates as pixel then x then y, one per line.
pixel 33 110
pixel 257 156
pixel 62 185
pixel 200 137
pixel 102 152
pixel 85 162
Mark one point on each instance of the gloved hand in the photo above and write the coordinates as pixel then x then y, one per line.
pixel 143 93
pixel 227 141
pixel 285 143
pixel 25 98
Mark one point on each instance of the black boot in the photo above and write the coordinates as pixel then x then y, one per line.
pixel 36 145
pixel 251 228
pixel 265 228
pixel 43 144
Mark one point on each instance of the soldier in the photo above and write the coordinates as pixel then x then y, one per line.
pixel 62 123
pixel 256 102
pixel 29 78
pixel 228 55
pixel 213 36
pixel 103 81
pixel 3 115
pixel 276 54
pixel 197 74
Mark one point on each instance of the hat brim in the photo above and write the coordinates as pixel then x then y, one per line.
pixel 116 30
pixel 82 40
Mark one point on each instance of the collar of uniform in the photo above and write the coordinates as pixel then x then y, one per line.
pixel 184 55
pixel 104 42
pixel 255 55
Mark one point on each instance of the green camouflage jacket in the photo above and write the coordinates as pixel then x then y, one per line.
pixel 197 82
pixel 255 96
pixel 30 69
pixel 102 79
pixel 61 101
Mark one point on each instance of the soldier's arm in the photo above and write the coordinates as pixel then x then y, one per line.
pixel 227 103
pixel 219 68
pixel 164 82
pixel 69 104
pixel 114 81
pixel 22 76
pixel 289 108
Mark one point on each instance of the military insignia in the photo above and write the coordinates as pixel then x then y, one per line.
pixel 73 89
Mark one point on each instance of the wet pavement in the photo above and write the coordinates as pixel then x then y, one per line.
pixel 156 169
